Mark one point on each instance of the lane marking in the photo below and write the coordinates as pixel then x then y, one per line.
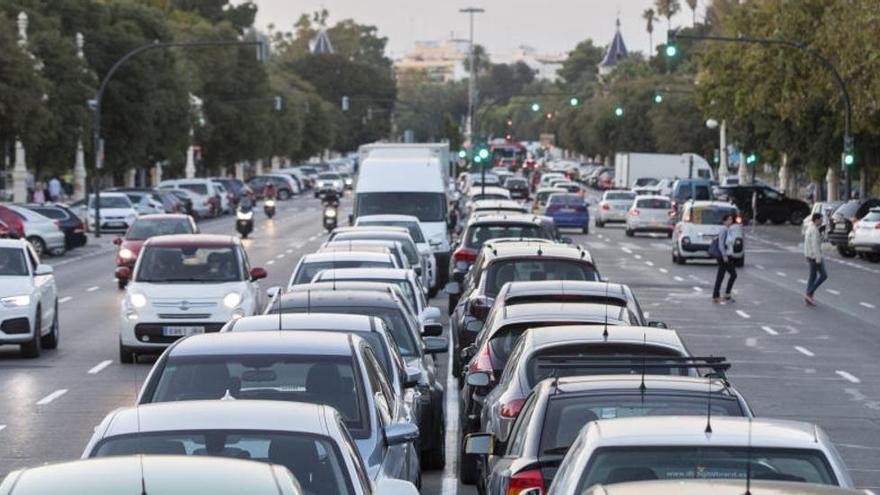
pixel 290 251
pixel 626 250
pixel 769 330
pixel 759 267
pixel 49 398
pixel 743 314
pixel 449 484
pixel 637 256
pixel 804 351
pixel 280 256
pixel 678 279
pixel 2 427
pixel 781 274
pixel 801 281
pixel 664 270
pixel 100 366
pixel 649 263
pixel 848 376
pixel 698 289
pixel 270 262
pixel 64 299
pixel 832 291
pixel 751 342
pixel 92 288
pixel 867 305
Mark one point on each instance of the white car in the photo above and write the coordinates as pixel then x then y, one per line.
pixel 650 214
pixel 28 299
pixel 206 202
pixel 310 264
pixel 42 232
pixel 329 182
pixel 548 178
pixel 700 222
pixel 417 233
pixel 406 280
pixel 614 207
pixel 117 212
pixel 184 285
pixel 865 235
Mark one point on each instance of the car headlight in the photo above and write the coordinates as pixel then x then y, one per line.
pixel 13 301
pixel 126 254
pixel 137 300
pixel 231 300
pixel 330 213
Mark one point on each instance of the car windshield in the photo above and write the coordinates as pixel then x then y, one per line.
pixel 710 216
pixel 161 264
pixel 314 460
pixel 111 202
pixel 13 262
pixel 480 233
pixel 414 231
pixel 308 270
pixel 329 177
pixel 329 380
pixel 426 206
pixel 145 228
pixel 653 204
pixel 515 183
pixel 534 269
pixel 196 188
pixel 567 414
pixel 622 464
pixel 620 196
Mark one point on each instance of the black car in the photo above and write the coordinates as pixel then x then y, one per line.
pixel 233 186
pixel 73 227
pixel 518 187
pixel 771 205
pixel 842 221
pixel 282 187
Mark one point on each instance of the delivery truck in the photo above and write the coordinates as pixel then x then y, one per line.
pixel 629 167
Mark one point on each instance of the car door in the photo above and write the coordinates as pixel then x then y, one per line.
pixel 44 288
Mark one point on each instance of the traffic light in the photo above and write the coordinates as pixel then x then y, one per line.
pixel 477 159
pixel 658 97
pixel 751 159
pixel 717 157
pixel 346 103
pixel 548 116
pixel 849 157
pixel 484 153
pixel 462 154
pixel 509 122
pixel 536 106
pixel 618 111
pixel 574 101
pixel 671 44
pixel 508 136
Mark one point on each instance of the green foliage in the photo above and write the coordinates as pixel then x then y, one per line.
pixel 580 68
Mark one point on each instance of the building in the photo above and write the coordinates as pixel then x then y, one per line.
pixel 443 61
pixel 321 44
pixel 616 52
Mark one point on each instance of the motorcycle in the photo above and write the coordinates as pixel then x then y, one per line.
pixel 330 217
pixel 244 220
pixel 269 208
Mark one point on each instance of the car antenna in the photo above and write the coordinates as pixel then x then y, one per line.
pixel 605 331
pixel 749 461
pixel 709 407
pixel 278 300
pixel 642 387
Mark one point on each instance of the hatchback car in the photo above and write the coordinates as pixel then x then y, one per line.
pixel 568 211
pixel 416 232
pixel 497 207
pixel 330 368
pixel 613 207
pixel 842 221
pixel 541 197
pixel 405 280
pixel 518 187
pixel 43 233
pixel 73 227
pixel 28 299
pixel 700 223
pixel 866 235
pixel 310 264
pixel 116 210
pixel 650 214
pixel 185 285
pixel 145 227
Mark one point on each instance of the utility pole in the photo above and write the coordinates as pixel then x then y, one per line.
pixel 472 81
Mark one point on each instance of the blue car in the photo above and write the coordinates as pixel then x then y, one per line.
pixel 568 211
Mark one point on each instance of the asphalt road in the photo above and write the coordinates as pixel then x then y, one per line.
pixel 813 364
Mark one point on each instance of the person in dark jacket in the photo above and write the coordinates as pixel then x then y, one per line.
pixel 726 263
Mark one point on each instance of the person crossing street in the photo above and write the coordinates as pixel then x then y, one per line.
pixel 726 263
pixel 813 253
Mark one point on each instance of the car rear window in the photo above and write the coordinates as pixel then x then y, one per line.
pixel 196 188
pixel 543 195
pixel 515 183
pixel 479 234
pixel 414 231
pixel 144 228
pixel 654 204
pixel 535 269
pixel 873 216
pixel 710 215
pixel 620 196
pixel 568 199
pixel 53 213
pixel 308 270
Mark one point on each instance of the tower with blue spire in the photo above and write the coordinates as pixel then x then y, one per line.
pixel 616 52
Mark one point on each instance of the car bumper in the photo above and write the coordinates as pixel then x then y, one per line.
pixel 570 220
pixel 611 216
pixel 648 226
pixel 866 247
pixel 838 238
pixel 16 325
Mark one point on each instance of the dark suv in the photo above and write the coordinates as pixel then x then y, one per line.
pixel 772 205
pixel 842 221
pixel 518 187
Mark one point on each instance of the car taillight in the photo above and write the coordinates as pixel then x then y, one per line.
pixel 634 212
pixel 606 206
pixel 483 363
pixel 551 208
pixel 526 480
pixel 877 225
pixel 671 213
pixel 511 409
pixel 687 219
pixel 464 254
pixel 739 219
pixel 81 227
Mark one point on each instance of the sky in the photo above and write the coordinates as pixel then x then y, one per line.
pixel 550 26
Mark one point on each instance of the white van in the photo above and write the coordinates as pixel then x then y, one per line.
pixel 206 194
pixel 409 185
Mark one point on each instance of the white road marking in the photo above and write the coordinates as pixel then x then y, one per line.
pixel 804 351
pixel 637 256
pixel 698 289
pixel 647 314
pixel 280 256
pixel 64 299
pixel 2 427
pixel 759 267
pixel 801 281
pixel 751 342
pixel 867 305
pixel 92 288
pixel 769 330
pixel 49 398
pixel 664 270
pixel 678 279
pixel 100 367
pixel 832 291
pixel 270 262
pixel 781 274
pixel 312 238
pixel 290 251
pixel 848 376
pixel 449 485
pixel 649 263
pixel 626 250
pixel 743 314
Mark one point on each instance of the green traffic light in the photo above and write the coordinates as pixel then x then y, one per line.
pixel 671 51
pixel 658 98
pixel 618 111
pixel 849 159
pixel 573 101
pixel 477 159
pixel 752 158
pixel 484 153
pixel 462 154
pixel 535 107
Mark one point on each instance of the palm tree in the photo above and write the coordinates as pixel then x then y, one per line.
pixel 650 16
pixel 667 9
pixel 693 5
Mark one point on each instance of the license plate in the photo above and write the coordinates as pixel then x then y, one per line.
pixel 566 210
pixel 621 207
pixel 181 331
pixel 115 224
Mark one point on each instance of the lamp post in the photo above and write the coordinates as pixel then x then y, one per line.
pixel 19 171
pixel 723 170
pixel 79 165
pixel 472 80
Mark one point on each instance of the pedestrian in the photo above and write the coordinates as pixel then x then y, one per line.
pixel 39 194
pixel 54 189
pixel 813 253
pixel 29 183
pixel 726 263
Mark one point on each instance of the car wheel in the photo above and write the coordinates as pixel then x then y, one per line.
pixel 846 251
pixel 467 466
pixel 435 459
pixel 432 292
pixel 31 349
pixel 50 341
pixel 777 221
pixel 121 283
pixel 125 355
pixel 874 257
pixel 600 224
pixel 284 195
pixel 38 244
pixel 797 217
pixel 586 229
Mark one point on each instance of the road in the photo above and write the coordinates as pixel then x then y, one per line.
pixel 812 364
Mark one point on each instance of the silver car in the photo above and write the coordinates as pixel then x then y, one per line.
pixel 613 207
pixel 406 280
pixel 42 232
pixel 330 368
pixel 719 487
pixel 308 439
pixel 650 214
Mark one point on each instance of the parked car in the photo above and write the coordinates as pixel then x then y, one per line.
pixel 143 201
pixel 116 210
pixel 718 487
pixel 770 205
pixel 43 233
pixel 824 208
pixel 700 223
pixel 73 227
pixel 650 214
pixel 842 221
pixel 234 187
pixel 405 280
pixel 419 259
pixel 145 227
pixel 866 235
pixel 204 193
pixel 285 185
pixel 28 299
pixel 14 223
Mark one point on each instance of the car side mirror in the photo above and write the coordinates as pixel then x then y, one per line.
pixel 392 486
pixel 117 241
pixel 479 444
pixel 399 433
pixel 474 326
pixel 435 345
pixel 657 324
pixel 44 270
pixel 478 379
pixel 122 273
pixel 411 378
pixel 258 273
pixel 430 313
pixel 432 329
pixel 452 288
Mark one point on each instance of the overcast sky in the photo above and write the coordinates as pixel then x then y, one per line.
pixel 548 25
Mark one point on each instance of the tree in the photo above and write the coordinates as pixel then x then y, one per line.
pixel 650 16
pixel 667 9
pixel 502 81
pixel 693 6
pixel 354 41
pixel 580 67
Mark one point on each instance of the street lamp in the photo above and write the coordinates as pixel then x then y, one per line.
pixel 722 148
pixel 472 85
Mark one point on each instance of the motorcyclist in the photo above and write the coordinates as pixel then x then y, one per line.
pixel 330 198
pixel 270 191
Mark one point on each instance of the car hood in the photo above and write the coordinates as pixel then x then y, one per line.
pixel 15 286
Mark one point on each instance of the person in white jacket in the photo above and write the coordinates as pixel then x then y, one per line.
pixel 813 253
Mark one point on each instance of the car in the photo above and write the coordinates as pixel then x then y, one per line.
pixel 309 440
pixel 700 222
pixel 824 208
pixel 613 207
pixel 343 285
pixel 163 474
pixel 384 247
pixel 224 197
pixel 842 221
pixel 73 227
pixel 14 223
pixel 549 419
pixel 418 343
pixel 183 285
pixel 329 182
pixel 666 447
pixel 28 299
pixel 479 192
pixel 416 232
pixel 44 234
pixel 568 210
pixel 234 187
pixel 770 205
pixel 117 212
pixel 570 186
pixel 419 259
pixel 497 207
pixel 329 368
pixel 284 181
pixel 206 195
pixel 548 177
pixel 719 487
pixel 518 187
pixel 186 200
pixel 143 201
pixel 650 213
pixel 684 190
pixel 866 235
pixel 310 264
pixel 405 280
pixel 542 195
pixel 143 228
pixel 478 179
pixel 347 180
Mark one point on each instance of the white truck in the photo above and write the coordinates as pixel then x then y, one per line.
pixel 629 167
pixel 398 150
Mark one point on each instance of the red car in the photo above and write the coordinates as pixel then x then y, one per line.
pixel 143 228
pixel 13 222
